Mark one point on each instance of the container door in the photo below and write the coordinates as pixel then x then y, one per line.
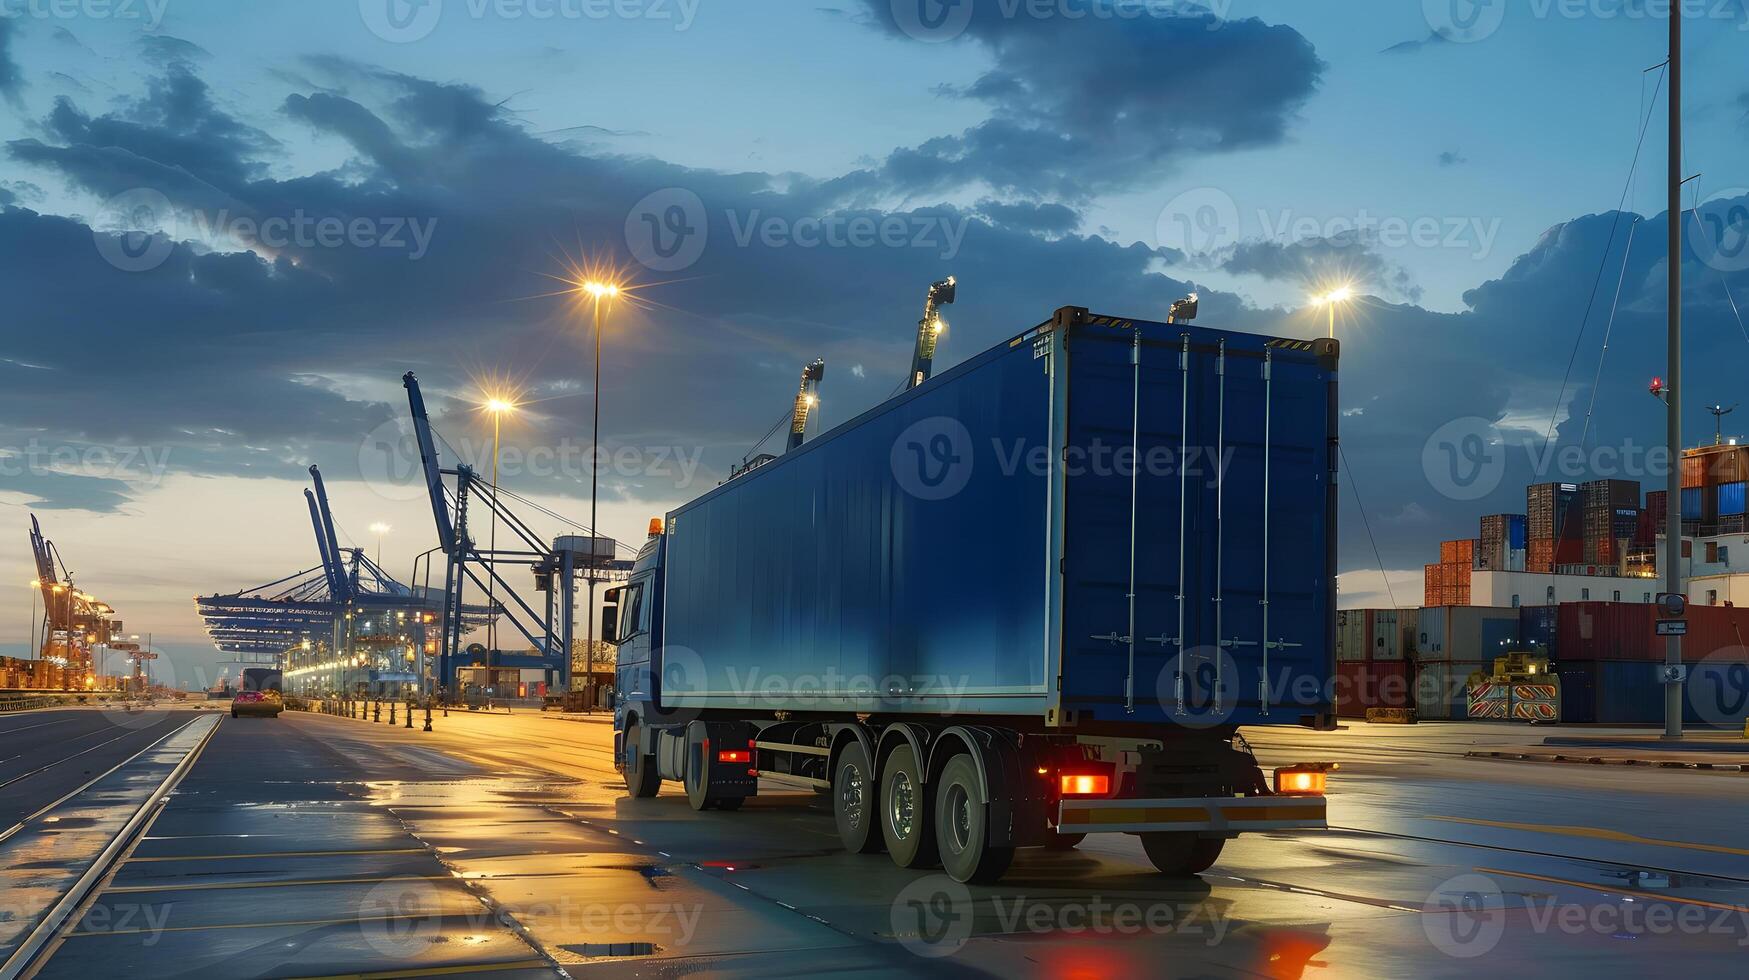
pixel 1196 582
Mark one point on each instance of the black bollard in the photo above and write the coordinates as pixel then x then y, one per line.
pixel 428 714
pixel 409 714
pixel 391 712
pixel 376 711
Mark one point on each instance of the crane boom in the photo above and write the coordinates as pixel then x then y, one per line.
pixel 929 331
pixel 337 575
pixel 446 537
pixel 806 398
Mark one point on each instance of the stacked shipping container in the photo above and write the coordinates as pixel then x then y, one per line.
pixel 1502 545
pixel 1371 666
pixel 1553 526
pixel 1451 645
pixel 1609 656
pixel 1448 583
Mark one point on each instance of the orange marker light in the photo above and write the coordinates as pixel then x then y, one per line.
pixel 1300 782
pixel 1083 784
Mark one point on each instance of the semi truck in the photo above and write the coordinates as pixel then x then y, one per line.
pixel 1035 597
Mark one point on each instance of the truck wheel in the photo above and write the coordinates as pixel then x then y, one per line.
pixel 855 805
pixel 962 826
pixel 1064 842
pixel 642 779
pixel 907 812
pixel 1181 854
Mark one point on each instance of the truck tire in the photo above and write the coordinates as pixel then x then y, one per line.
pixel 855 804
pixel 1064 842
pixel 962 830
pixel 642 779
pixel 907 811
pixel 1181 854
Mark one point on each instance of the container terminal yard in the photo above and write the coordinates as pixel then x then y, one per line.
pixel 490 511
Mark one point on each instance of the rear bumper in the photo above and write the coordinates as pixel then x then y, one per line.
pixel 271 711
pixel 1214 816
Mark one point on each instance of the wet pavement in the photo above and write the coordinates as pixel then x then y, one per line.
pixel 503 845
pixel 47 754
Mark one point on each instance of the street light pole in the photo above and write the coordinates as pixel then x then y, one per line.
pixel 601 293
pixel 1673 421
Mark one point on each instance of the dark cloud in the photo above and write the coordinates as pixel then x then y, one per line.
pixel 257 361
pixel 1347 257
pixel 1050 219
pixel 1107 102
pixel 1452 158
pixel 163 49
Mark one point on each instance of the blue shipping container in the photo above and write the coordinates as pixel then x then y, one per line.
pixel 1691 510
pixel 1537 629
pixel 1515 535
pixel 969 546
pixel 1731 499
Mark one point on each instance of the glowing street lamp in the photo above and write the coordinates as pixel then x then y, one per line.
pixel 499 407
pixel 379 529
pixel 1341 294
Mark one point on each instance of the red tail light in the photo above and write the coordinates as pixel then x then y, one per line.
pixel 1085 784
pixel 742 756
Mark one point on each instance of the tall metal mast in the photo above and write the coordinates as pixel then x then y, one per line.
pixel 929 331
pixel 806 397
pixel 1673 486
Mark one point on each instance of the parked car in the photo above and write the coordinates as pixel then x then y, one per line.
pixel 256 703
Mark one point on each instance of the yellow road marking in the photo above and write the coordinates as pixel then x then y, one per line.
pixel 218 886
pixel 1596 834
pixel 439 971
pixel 1641 894
pixel 275 854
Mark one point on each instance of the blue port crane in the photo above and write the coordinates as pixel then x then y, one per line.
pixel 555 565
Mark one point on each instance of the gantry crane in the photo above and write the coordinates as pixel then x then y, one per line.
pixel 929 331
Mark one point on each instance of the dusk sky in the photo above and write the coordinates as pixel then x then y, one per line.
pixel 783 181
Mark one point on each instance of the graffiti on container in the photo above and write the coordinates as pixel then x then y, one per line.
pixel 1515 701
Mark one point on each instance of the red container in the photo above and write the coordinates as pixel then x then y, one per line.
pixel 1627 631
pixel 1363 684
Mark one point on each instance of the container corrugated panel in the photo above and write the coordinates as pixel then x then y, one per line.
pixel 1466 633
pixel 1693 508
pixel 1538 627
pixel 1363 684
pixel 1731 499
pixel 1610 692
pixel 1540 557
pixel 1627 631
pixel 1386 635
pixel 907 562
pixel 1351 641
pixel 1442 688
